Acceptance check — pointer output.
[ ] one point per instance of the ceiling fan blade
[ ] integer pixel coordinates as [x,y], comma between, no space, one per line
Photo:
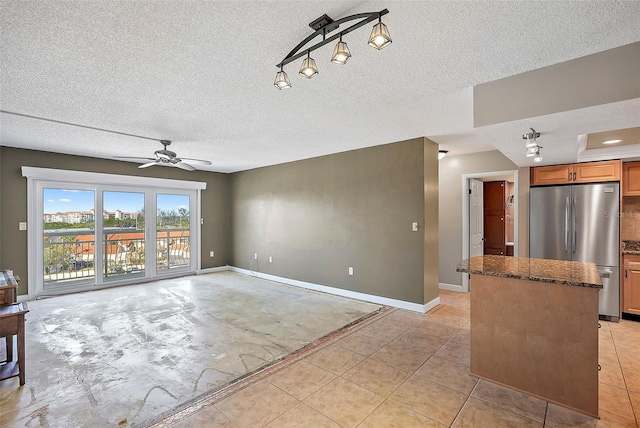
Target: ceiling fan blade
[183,165]
[147,165]
[141,159]
[200,161]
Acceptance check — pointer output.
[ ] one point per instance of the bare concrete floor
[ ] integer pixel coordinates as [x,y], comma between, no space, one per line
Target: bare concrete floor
[123,356]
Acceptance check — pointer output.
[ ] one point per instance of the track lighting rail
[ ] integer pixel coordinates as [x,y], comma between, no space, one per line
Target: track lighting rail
[325,25]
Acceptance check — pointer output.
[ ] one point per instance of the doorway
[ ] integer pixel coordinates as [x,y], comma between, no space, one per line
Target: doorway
[473,222]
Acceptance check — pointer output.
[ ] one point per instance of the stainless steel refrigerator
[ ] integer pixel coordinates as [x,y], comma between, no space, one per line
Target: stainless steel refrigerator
[580,223]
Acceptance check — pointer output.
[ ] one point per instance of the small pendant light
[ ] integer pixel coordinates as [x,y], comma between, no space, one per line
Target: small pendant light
[282,80]
[379,35]
[341,52]
[308,68]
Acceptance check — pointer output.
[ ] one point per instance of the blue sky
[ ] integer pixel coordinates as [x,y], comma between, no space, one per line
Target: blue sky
[64,200]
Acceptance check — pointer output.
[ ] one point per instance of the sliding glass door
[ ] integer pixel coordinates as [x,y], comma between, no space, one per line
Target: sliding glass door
[173,237]
[68,231]
[123,235]
[99,235]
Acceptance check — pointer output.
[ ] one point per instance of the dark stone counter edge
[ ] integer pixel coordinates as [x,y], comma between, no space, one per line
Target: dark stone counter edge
[532,278]
[631,252]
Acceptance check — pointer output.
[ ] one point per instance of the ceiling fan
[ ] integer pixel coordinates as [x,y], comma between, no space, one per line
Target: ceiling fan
[166,157]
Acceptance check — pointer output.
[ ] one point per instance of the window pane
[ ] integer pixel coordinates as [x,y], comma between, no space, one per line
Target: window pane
[173,224]
[123,234]
[68,235]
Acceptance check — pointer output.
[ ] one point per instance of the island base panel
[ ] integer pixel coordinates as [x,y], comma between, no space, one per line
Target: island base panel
[539,338]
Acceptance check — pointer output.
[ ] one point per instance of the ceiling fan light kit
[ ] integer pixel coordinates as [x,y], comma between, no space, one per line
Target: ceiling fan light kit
[167,157]
[323,26]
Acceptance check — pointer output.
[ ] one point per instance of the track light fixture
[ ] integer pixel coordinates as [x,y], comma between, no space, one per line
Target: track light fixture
[282,80]
[341,53]
[308,68]
[532,147]
[323,26]
[379,36]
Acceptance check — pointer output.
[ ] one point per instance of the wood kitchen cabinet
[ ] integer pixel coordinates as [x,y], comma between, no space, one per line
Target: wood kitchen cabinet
[631,179]
[631,286]
[588,172]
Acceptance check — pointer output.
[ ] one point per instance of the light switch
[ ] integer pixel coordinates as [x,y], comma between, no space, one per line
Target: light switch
[414,226]
[22,225]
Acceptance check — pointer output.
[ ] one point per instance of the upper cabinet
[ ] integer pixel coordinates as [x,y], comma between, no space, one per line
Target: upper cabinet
[631,179]
[588,172]
[555,174]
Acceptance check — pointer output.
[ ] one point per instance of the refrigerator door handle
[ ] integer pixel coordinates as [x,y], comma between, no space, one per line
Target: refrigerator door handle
[566,225]
[573,225]
[605,273]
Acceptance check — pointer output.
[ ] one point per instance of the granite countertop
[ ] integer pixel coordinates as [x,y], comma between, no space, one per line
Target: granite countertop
[543,270]
[631,247]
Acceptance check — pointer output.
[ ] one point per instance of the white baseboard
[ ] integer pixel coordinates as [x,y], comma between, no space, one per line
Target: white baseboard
[213,269]
[451,287]
[401,304]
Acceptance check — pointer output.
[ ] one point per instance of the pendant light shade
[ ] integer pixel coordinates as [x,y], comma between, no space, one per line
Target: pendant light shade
[282,80]
[341,53]
[442,154]
[379,36]
[533,151]
[309,68]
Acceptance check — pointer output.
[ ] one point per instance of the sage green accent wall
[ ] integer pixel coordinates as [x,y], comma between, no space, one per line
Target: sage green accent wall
[318,217]
[452,168]
[13,187]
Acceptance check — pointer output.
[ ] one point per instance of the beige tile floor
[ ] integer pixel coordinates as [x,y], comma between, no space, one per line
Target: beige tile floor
[403,369]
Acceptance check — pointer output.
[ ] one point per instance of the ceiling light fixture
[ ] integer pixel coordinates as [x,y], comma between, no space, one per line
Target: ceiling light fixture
[323,26]
[612,142]
[379,36]
[532,147]
[282,80]
[341,53]
[308,68]
[442,154]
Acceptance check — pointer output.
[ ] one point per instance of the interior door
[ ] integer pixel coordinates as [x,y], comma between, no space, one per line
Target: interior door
[494,217]
[476,218]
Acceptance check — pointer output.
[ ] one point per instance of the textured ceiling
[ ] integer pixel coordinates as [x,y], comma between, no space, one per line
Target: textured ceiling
[200,73]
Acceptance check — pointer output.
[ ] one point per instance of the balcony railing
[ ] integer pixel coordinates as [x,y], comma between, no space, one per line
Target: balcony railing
[69,255]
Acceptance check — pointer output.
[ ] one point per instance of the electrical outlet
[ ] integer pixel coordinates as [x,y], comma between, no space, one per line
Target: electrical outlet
[350,270]
[22,225]
[270,259]
[211,253]
[255,256]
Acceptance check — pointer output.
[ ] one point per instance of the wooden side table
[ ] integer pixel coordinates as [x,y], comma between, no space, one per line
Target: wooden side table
[8,295]
[12,323]
[8,287]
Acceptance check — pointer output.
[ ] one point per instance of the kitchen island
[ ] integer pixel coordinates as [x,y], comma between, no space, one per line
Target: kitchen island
[534,327]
